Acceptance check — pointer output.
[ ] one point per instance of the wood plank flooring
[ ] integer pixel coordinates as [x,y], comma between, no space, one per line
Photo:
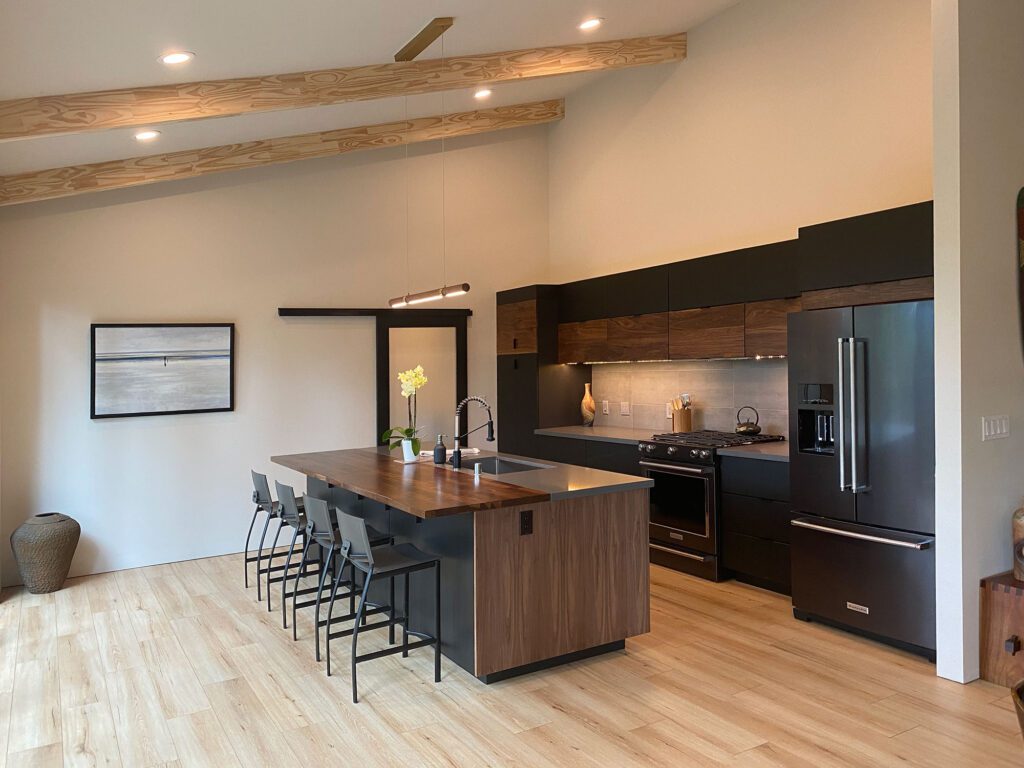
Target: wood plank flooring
[177,665]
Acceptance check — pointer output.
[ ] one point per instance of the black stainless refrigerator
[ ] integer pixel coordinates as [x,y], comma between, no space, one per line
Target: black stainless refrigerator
[862,470]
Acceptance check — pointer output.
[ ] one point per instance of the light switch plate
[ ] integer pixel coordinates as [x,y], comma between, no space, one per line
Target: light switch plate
[668,410]
[995,427]
[604,407]
[623,409]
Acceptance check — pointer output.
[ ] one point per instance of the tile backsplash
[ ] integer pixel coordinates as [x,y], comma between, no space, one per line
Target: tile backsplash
[717,388]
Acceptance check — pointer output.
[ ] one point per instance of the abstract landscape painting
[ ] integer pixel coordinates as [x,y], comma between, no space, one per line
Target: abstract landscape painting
[146,370]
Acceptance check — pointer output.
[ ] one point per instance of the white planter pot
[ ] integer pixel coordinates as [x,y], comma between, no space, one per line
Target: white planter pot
[407,452]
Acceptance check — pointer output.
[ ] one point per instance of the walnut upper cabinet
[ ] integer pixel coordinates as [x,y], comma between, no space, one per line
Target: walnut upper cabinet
[517,328]
[583,342]
[638,337]
[708,332]
[766,326]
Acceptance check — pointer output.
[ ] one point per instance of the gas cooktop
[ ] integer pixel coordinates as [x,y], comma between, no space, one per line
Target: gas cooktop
[709,438]
[700,447]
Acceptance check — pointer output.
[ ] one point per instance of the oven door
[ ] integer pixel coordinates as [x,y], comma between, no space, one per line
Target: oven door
[683,505]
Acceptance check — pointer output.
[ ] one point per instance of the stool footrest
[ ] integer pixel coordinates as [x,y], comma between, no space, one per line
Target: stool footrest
[271,556]
[377,609]
[395,649]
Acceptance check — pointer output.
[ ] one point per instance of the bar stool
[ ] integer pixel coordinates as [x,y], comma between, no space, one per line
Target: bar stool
[261,498]
[292,513]
[321,531]
[388,561]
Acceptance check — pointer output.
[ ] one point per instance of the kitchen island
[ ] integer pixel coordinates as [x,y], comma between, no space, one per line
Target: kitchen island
[541,563]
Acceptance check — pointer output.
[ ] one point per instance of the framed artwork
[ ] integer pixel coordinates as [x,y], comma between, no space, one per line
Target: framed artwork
[162,369]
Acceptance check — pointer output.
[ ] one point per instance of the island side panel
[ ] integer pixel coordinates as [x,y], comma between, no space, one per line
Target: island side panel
[451,539]
[578,581]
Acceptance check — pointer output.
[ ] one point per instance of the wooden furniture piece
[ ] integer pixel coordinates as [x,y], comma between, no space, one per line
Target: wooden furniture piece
[765,327]
[709,332]
[915,289]
[1002,629]
[583,342]
[529,577]
[638,337]
[517,327]
[1016,693]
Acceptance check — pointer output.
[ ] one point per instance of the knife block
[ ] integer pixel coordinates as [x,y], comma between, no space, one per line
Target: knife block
[682,420]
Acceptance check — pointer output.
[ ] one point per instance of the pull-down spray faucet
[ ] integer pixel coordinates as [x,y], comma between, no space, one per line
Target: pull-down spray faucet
[457,452]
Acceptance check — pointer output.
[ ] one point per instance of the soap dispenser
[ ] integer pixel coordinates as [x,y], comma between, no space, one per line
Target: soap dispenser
[440,451]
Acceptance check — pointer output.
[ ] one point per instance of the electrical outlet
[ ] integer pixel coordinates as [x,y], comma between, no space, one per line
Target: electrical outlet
[604,407]
[623,409]
[994,427]
[668,410]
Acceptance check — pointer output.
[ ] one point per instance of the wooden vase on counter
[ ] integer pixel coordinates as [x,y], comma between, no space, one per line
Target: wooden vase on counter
[1018,544]
[682,420]
[588,407]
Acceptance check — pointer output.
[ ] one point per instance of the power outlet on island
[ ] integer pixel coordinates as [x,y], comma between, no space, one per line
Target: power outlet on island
[623,409]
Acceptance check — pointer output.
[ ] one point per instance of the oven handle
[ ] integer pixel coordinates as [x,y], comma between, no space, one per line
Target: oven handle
[677,552]
[677,468]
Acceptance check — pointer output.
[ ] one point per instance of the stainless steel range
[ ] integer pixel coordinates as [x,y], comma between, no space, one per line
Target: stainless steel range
[684,499]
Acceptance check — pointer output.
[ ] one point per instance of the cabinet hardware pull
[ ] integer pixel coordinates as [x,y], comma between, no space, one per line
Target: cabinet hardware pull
[923,544]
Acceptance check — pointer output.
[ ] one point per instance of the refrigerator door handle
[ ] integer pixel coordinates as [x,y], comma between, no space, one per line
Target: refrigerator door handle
[840,412]
[922,543]
[855,485]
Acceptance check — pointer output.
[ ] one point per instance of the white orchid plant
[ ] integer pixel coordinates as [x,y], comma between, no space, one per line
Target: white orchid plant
[411,381]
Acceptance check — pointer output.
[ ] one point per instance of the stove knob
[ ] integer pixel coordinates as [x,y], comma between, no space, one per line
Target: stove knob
[649,447]
[705,454]
[671,450]
[640,447]
[694,453]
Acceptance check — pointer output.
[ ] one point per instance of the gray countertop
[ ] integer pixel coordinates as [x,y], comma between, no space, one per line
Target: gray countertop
[600,434]
[766,451]
[563,481]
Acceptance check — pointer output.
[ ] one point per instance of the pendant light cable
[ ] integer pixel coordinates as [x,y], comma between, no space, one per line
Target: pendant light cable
[444,129]
[406,174]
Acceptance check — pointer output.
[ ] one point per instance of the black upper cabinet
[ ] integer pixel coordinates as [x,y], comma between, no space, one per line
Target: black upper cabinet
[896,244]
[638,292]
[750,274]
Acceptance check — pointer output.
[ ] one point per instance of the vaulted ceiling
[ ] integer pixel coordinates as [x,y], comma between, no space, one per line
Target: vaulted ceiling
[54,47]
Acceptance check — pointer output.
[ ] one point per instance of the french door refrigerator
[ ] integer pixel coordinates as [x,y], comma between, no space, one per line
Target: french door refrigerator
[862,470]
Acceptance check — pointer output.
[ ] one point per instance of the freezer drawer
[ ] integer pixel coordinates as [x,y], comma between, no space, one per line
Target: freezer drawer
[874,581]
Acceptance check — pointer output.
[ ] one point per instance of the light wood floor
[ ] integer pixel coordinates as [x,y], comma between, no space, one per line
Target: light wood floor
[177,665]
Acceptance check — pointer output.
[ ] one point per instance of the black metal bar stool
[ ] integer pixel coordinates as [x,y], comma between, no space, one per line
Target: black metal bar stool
[358,551]
[321,531]
[292,513]
[264,503]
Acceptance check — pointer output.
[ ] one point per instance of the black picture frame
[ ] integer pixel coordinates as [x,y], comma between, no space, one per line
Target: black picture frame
[92,370]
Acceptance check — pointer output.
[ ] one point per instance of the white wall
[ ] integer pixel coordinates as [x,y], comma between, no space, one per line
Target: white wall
[785,113]
[234,248]
[979,168]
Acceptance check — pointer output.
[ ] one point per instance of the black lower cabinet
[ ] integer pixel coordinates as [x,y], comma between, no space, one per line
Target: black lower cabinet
[755,519]
[613,457]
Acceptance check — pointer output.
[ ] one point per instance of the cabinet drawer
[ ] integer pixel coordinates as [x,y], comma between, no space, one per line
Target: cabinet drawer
[638,337]
[765,331]
[756,517]
[764,560]
[759,478]
[582,342]
[613,457]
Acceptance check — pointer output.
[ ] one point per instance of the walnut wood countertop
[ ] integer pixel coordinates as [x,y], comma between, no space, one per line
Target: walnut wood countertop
[421,489]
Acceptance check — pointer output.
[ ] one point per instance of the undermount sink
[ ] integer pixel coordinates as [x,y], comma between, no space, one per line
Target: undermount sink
[495,465]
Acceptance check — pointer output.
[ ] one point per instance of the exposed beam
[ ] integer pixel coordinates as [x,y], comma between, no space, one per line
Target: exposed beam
[424,38]
[100,110]
[116,174]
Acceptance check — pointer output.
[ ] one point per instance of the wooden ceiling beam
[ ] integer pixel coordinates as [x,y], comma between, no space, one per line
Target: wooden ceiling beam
[118,174]
[424,38]
[128,107]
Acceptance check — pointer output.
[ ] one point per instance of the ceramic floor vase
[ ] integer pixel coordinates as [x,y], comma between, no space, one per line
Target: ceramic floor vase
[43,547]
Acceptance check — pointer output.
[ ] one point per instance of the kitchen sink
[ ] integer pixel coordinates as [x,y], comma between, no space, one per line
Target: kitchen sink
[495,465]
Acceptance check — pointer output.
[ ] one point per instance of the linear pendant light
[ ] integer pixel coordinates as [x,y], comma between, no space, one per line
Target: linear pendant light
[445,291]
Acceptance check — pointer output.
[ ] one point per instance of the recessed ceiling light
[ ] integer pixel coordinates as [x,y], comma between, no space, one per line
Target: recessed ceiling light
[482,93]
[177,57]
[146,135]
[590,24]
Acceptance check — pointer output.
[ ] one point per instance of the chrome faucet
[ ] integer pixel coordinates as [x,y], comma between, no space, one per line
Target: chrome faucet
[457,452]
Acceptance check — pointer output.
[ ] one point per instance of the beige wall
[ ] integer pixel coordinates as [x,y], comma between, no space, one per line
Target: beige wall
[234,248]
[785,113]
[979,168]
